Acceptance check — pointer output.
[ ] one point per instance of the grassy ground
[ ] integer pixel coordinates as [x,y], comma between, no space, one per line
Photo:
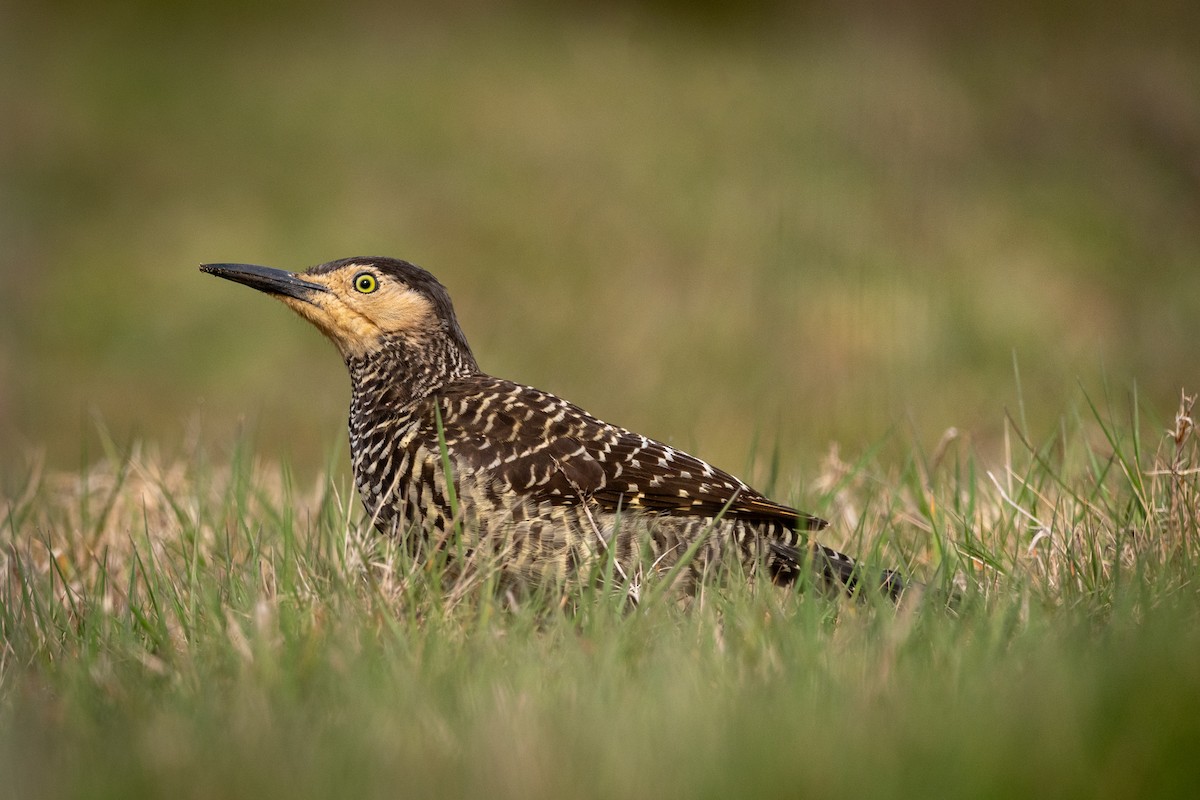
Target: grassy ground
[207,628]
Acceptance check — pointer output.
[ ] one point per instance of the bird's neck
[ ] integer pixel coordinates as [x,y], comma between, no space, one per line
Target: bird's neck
[395,375]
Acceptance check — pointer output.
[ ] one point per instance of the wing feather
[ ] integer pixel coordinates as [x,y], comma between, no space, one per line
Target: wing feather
[534,443]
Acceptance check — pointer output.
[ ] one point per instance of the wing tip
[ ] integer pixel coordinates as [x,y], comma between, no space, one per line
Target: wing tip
[813,523]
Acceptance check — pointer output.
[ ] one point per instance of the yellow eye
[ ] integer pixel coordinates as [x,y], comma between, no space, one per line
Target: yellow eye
[365,282]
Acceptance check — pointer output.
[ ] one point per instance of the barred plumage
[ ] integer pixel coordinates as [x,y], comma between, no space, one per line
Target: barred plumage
[536,483]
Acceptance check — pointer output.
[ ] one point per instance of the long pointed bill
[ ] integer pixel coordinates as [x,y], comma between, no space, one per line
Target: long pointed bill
[266,279]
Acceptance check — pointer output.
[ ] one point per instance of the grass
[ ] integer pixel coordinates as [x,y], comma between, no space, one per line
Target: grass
[203,627]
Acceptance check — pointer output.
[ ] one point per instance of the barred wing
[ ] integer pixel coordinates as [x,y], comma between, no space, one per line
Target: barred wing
[533,443]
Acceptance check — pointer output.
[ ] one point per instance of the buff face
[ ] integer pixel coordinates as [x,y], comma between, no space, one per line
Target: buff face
[357,306]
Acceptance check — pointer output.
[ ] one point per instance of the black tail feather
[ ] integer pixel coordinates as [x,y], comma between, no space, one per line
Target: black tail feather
[838,570]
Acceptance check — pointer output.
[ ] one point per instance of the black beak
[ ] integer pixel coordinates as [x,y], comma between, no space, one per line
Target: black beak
[266,279]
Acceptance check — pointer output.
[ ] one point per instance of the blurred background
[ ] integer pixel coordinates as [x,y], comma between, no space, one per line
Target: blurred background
[785,223]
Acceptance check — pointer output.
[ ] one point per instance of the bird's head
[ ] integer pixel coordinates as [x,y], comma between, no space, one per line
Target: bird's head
[364,305]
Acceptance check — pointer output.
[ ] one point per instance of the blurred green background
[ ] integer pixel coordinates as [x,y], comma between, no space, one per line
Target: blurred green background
[802,223]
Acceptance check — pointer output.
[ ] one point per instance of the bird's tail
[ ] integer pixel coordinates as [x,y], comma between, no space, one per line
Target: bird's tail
[835,569]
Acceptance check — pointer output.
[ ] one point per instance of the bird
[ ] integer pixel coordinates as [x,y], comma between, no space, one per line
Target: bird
[452,460]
